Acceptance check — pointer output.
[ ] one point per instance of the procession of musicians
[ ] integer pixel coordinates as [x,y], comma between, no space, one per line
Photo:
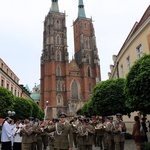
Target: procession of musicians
[64,133]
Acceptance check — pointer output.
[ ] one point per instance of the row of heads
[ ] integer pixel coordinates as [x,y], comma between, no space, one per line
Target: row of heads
[118,115]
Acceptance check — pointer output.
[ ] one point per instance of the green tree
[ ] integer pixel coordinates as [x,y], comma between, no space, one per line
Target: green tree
[23,108]
[6,102]
[88,109]
[109,98]
[137,86]
[36,110]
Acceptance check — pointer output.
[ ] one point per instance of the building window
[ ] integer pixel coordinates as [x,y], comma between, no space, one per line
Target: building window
[8,86]
[58,71]
[18,94]
[2,82]
[90,87]
[88,59]
[74,90]
[58,56]
[89,72]
[57,24]
[139,51]
[85,26]
[58,40]
[15,92]
[7,71]
[128,63]
[2,65]
[59,99]
[11,89]
[122,71]
[58,85]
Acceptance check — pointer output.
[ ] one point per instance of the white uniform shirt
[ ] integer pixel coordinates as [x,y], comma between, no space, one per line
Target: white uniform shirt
[16,134]
[6,132]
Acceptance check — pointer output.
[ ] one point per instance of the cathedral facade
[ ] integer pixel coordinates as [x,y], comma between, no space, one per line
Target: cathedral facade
[67,84]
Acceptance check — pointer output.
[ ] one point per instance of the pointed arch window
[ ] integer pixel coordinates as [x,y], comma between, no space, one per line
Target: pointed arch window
[58,71]
[57,40]
[58,55]
[85,26]
[74,90]
[90,87]
[57,24]
[88,59]
[58,86]
[59,99]
[89,72]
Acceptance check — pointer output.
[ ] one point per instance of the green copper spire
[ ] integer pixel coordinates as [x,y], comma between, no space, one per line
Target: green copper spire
[81,11]
[54,6]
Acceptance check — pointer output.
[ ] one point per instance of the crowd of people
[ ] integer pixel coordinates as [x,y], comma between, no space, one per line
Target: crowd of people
[64,133]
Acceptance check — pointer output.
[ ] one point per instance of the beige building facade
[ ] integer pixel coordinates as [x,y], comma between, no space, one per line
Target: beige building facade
[10,81]
[136,44]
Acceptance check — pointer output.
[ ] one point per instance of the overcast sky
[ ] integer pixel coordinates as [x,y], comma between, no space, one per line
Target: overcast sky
[21,31]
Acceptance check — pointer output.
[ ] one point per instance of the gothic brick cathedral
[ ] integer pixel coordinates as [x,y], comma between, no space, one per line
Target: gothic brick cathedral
[66,84]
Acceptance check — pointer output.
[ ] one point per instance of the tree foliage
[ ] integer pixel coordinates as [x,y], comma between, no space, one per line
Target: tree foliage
[108,97]
[137,86]
[23,108]
[88,109]
[6,102]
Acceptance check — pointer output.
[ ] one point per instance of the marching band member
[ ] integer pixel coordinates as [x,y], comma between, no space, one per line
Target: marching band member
[89,131]
[109,131]
[26,135]
[64,136]
[119,130]
[74,123]
[51,136]
[100,129]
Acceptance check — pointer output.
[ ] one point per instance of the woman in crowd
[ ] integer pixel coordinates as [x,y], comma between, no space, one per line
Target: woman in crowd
[136,132]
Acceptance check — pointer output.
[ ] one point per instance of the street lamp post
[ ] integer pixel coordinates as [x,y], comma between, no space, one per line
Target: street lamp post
[11,113]
[45,115]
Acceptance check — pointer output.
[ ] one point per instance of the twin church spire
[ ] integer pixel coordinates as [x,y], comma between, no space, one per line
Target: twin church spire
[81,11]
[54,6]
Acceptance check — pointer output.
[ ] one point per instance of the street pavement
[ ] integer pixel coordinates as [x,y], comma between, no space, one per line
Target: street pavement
[129,144]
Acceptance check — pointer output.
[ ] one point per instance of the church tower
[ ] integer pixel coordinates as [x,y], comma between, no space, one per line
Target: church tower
[86,53]
[54,60]
[67,85]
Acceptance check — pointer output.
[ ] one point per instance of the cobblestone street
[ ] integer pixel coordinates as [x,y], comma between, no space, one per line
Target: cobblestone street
[129,145]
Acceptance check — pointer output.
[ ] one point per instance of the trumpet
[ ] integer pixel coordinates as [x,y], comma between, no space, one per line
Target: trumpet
[73,124]
[100,126]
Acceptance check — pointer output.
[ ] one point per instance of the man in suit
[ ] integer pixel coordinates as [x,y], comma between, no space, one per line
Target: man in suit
[119,130]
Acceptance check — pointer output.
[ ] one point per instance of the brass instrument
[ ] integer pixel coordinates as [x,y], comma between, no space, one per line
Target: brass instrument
[100,126]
